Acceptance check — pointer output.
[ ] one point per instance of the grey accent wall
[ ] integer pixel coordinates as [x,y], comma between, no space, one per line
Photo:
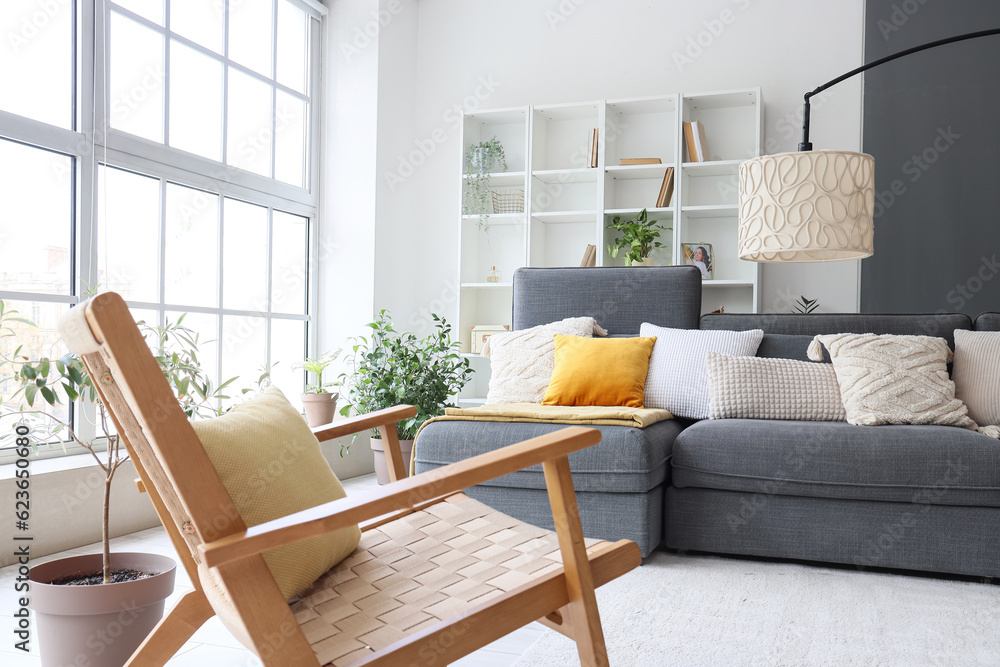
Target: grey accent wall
[931,122]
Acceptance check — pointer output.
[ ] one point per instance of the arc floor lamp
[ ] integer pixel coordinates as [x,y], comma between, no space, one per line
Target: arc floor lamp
[814,206]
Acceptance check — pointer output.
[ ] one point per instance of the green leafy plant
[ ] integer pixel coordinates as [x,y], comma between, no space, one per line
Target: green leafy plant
[481,160]
[316,367]
[389,368]
[638,237]
[51,382]
[805,306]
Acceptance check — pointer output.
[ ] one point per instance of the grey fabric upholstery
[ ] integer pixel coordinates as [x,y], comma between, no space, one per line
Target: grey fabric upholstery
[935,538]
[942,325]
[619,298]
[627,460]
[787,346]
[606,516]
[988,322]
[940,465]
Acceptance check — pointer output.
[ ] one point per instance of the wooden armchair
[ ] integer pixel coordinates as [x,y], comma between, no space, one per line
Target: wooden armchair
[436,575]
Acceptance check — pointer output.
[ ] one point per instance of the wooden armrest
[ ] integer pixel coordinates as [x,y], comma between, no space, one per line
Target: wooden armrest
[403,494]
[364,422]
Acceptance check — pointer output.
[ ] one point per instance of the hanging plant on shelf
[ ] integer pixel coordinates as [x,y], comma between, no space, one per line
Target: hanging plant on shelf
[638,237]
[481,160]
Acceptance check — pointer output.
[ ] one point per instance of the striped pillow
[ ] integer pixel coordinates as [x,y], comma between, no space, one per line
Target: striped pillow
[677,378]
[976,372]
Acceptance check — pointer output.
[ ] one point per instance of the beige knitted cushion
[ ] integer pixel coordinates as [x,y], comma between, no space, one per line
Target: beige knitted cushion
[759,388]
[521,362]
[271,465]
[895,380]
[976,373]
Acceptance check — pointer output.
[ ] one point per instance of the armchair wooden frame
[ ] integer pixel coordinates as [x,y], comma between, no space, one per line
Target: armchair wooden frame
[222,556]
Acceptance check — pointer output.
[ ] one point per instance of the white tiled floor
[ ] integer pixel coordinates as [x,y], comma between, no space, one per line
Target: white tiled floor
[213,644]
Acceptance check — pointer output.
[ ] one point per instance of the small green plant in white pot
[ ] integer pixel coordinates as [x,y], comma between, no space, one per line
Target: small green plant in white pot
[637,240]
[319,402]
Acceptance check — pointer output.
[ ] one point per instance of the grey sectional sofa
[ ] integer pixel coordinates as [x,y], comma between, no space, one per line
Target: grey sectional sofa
[909,497]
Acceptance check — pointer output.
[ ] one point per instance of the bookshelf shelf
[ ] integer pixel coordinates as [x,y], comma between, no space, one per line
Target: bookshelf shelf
[569,203]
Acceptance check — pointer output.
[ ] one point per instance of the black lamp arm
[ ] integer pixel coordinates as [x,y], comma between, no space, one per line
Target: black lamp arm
[807,146]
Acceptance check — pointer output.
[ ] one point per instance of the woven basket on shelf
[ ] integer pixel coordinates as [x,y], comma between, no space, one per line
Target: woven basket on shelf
[510,200]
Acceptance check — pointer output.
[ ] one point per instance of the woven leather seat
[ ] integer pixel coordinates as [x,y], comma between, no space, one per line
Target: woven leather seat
[414,572]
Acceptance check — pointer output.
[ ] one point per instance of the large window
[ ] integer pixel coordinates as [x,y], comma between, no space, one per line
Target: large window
[160,149]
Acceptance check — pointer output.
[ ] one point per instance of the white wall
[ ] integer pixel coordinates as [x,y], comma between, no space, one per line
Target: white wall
[441,55]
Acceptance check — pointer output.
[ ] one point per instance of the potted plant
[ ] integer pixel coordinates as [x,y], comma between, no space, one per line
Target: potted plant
[97,604]
[638,238]
[805,306]
[481,160]
[391,368]
[320,405]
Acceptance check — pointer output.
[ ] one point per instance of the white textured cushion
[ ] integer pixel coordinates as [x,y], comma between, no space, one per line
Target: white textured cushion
[888,379]
[677,380]
[976,373]
[521,362]
[757,388]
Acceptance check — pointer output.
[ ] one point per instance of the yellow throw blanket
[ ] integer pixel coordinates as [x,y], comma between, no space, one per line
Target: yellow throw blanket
[593,415]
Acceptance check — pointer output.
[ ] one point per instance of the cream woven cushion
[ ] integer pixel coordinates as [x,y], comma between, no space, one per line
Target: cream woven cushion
[895,380]
[271,465]
[521,362]
[677,379]
[976,373]
[758,388]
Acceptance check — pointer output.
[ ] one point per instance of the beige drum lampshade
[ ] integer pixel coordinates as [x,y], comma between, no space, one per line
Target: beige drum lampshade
[809,206]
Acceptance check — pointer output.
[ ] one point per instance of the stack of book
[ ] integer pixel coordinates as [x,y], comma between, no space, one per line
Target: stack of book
[638,160]
[694,137]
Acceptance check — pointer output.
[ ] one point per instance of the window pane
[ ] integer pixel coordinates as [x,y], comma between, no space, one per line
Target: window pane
[288,346]
[200,21]
[36,59]
[128,234]
[290,139]
[249,124]
[207,328]
[136,87]
[289,255]
[195,102]
[42,340]
[244,263]
[36,188]
[293,41]
[250,34]
[147,9]
[192,247]
[243,352]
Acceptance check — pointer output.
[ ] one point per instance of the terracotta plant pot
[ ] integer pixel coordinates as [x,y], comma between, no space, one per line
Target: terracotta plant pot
[100,625]
[381,466]
[320,408]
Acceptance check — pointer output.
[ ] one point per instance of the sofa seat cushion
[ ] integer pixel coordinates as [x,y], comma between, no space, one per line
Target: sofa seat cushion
[941,465]
[627,460]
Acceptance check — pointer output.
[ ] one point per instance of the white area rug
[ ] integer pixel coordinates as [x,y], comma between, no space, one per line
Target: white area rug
[701,610]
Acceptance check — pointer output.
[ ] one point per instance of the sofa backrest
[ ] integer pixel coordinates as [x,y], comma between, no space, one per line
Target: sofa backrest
[619,298]
[988,322]
[788,335]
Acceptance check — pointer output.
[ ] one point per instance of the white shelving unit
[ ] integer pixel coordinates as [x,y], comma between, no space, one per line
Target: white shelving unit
[568,204]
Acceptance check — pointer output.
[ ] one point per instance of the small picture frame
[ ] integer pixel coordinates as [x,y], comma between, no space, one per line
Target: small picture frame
[701,256]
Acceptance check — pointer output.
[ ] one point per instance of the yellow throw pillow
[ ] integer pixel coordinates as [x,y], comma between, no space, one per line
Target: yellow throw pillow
[599,371]
[271,465]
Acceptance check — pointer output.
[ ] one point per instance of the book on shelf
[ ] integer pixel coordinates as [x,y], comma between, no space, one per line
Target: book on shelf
[592,148]
[638,160]
[666,189]
[697,144]
[589,256]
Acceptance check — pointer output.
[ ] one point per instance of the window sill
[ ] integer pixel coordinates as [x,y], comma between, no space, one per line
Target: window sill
[46,466]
